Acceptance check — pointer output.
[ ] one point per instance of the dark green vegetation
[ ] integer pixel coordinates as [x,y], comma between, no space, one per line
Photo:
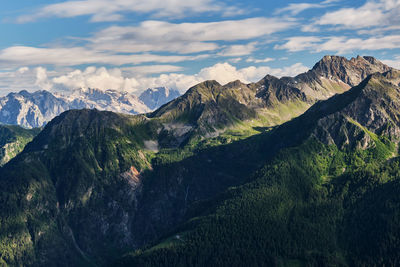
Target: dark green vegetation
[13,140]
[206,181]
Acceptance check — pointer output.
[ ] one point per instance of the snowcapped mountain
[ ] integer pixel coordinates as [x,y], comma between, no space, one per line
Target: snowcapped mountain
[30,109]
[156,97]
[110,100]
[36,109]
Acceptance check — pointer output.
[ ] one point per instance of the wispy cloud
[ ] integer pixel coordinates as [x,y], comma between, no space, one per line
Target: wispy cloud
[238,50]
[340,44]
[255,60]
[373,13]
[151,69]
[119,45]
[73,56]
[115,10]
[184,38]
[300,43]
[297,8]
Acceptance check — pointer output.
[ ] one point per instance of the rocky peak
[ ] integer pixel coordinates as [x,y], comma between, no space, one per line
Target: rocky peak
[351,71]
[234,84]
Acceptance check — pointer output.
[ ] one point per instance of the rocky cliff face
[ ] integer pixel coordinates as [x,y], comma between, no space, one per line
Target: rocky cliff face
[335,74]
[351,71]
[375,106]
[156,97]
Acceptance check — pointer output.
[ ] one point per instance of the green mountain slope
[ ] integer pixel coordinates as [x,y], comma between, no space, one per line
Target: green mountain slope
[329,197]
[69,195]
[13,140]
[85,190]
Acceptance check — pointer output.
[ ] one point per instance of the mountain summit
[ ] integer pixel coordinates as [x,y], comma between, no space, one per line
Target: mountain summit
[352,71]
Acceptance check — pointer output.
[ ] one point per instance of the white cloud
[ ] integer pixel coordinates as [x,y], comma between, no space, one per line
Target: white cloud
[22,70]
[297,8]
[114,10]
[255,60]
[23,79]
[235,60]
[340,44]
[300,43]
[42,79]
[132,45]
[238,50]
[93,77]
[132,81]
[151,69]
[372,13]
[221,72]
[24,55]
[394,62]
[184,38]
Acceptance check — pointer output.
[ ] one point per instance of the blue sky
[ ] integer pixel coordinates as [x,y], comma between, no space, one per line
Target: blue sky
[134,44]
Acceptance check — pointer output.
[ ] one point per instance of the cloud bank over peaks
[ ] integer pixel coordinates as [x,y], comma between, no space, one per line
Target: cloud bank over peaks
[135,80]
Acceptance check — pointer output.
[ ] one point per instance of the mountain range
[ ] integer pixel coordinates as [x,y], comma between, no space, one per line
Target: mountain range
[300,171]
[35,109]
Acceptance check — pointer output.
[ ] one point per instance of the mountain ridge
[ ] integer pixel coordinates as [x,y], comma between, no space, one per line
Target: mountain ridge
[210,107]
[89,187]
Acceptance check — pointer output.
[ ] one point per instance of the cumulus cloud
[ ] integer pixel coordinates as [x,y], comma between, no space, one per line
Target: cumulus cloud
[114,10]
[93,77]
[135,82]
[42,79]
[221,72]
